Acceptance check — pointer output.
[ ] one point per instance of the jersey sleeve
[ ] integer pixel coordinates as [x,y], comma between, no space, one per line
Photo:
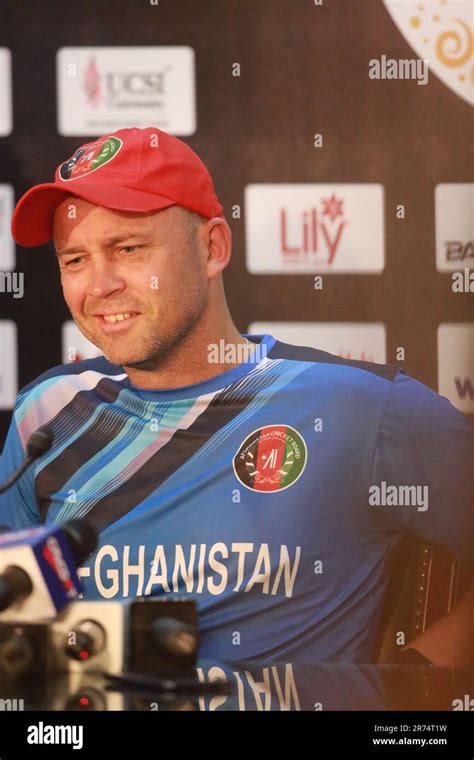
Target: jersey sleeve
[424,442]
[18,505]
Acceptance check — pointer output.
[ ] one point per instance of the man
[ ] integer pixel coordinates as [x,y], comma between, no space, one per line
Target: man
[252,479]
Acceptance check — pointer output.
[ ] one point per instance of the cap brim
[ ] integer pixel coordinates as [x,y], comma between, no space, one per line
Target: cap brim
[32,221]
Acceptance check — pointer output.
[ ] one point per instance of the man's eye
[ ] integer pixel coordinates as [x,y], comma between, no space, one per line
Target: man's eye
[129,248]
[77,260]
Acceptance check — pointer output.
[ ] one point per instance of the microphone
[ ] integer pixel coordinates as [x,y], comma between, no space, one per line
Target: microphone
[38,576]
[139,634]
[38,444]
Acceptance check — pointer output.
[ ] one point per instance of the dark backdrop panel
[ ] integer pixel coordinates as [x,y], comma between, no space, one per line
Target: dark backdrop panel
[303,70]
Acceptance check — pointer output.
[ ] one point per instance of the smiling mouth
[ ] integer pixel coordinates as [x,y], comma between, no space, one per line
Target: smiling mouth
[117,319]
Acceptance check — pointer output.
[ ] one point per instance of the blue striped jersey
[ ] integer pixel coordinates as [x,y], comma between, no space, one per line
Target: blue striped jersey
[272,494]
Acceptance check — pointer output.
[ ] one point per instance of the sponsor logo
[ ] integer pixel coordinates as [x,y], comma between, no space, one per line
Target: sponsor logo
[102,89]
[314,228]
[349,340]
[8,364]
[92,83]
[324,225]
[122,89]
[363,356]
[459,250]
[456,364]
[464,388]
[7,244]
[90,158]
[271,459]
[454,226]
[6,121]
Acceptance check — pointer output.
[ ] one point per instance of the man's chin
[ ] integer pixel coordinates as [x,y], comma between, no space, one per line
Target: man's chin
[130,359]
[122,359]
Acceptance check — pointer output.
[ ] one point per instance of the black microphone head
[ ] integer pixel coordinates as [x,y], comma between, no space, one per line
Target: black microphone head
[82,537]
[39,442]
[4,528]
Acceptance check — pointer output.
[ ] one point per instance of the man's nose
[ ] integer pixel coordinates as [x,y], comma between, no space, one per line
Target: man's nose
[104,279]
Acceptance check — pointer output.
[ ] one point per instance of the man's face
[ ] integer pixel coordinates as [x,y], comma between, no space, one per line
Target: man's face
[135,284]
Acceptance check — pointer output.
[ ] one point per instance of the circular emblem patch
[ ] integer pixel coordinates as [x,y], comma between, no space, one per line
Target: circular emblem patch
[89,158]
[271,458]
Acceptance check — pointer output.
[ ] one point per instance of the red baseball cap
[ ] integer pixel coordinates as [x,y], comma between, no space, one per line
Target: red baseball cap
[128,170]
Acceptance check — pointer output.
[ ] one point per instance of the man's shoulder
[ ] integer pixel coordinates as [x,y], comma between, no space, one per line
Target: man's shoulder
[389,386]
[328,361]
[98,366]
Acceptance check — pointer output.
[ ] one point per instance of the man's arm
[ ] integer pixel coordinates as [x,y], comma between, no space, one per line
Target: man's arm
[423,441]
[450,640]
[18,505]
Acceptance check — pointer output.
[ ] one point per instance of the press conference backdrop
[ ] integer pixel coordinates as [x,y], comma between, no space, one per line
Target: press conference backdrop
[338,133]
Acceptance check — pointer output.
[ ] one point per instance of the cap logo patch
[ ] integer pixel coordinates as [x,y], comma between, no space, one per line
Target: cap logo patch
[90,158]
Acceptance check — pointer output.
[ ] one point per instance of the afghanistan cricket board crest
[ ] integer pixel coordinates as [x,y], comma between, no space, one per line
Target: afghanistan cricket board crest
[90,157]
[271,458]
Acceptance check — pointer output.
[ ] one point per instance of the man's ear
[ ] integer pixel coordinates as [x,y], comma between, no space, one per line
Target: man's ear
[219,245]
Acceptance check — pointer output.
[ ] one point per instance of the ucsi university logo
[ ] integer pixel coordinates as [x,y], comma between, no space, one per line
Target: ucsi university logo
[113,85]
[316,231]
[103,89]
[92,84]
